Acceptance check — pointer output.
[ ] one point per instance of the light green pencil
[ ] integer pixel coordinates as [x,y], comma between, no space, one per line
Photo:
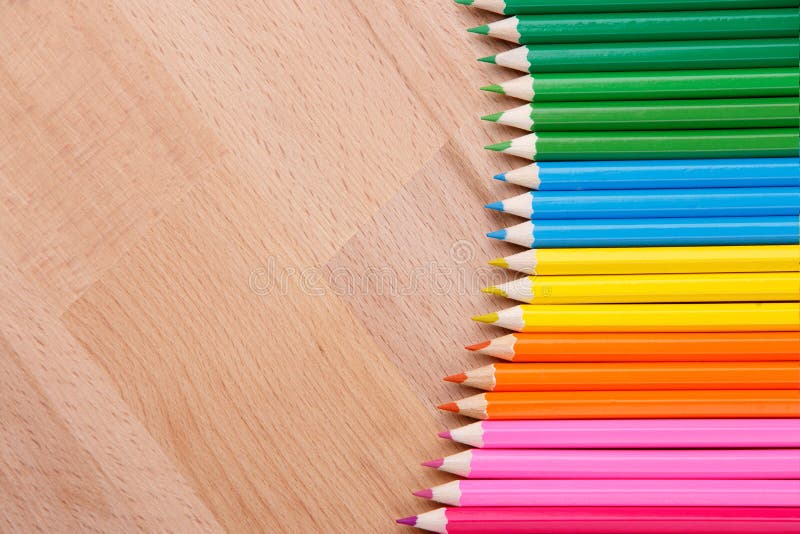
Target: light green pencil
[536,7]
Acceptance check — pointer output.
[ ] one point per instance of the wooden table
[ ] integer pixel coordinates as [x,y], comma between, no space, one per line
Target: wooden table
[202,203]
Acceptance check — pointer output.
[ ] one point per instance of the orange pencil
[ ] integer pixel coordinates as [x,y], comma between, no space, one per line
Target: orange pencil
[627,376]
[686,404]
[637,346]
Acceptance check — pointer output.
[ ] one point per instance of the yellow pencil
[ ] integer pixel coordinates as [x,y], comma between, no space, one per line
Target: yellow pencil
[566,261]
[716,317]
[632,288]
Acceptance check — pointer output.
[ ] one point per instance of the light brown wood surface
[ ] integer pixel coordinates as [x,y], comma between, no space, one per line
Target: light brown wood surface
[200,202]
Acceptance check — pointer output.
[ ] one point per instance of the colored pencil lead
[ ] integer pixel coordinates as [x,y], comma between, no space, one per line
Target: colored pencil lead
[482,30]
[411,521]
[494,290]
[499,147]
[501,177]
[445,435]
[436,464]
[459,378]
[478,346]
[496,206]
[498,234]
[464,2]
[489,318]
[488,59]
[425,494]
[494,88]
[492,117]
[499,262]
[449,407]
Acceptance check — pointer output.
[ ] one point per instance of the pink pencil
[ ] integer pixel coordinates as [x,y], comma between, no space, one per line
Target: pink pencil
[623,463]
[641,520]
[629,434]
[616,493]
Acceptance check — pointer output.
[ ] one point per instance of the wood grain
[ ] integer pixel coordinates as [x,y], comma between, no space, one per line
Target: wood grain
[192,196]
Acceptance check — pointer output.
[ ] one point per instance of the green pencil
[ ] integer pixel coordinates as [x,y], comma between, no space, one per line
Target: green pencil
[658,26]
[674,84]
[656,55]
[535,7]
[683,144]
[652,115]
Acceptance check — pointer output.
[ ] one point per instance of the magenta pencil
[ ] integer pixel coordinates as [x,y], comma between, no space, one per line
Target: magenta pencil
[591,520]
[629,434]
[623,463]
[580,492]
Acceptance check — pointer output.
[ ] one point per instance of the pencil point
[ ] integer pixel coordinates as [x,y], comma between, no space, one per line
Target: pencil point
[410,521]
[445,435]
[499,262]
[492,117]
[449,407]
[501,177]
[464,2]
[494,290]
[436,464]
[488,59]
[499,147]
[477,346]
[498,234]
[425,494]
[459,378]
[482,30]
[497,206]
[489,318]
[494,88]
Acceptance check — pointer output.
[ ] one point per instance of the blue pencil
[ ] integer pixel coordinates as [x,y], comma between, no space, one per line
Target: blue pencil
[656,174]
[653,203]
[570,233]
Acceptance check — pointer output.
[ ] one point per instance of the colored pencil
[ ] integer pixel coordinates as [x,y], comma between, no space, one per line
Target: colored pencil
[717,464]
[650,85]
[705,317]
[651,115]
[607,519]
[642,492]
[629,433]
[652,26]
[630,376]
[653,203]
[643,347]
[690,404]
[734,143]
[663,232]
[644,260]
[536,7]
[654,55]
[655,174]
[640,288]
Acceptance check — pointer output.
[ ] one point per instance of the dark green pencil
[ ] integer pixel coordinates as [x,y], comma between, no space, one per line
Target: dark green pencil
[536,7]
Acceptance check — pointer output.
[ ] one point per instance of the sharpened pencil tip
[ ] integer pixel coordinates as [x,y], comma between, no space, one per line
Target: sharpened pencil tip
[499,262]
[488,59]
[458,379]
[449,407]
[436,464]
[494,88]
[499,147]
[464,2]
[445,435]
[501,177]
[477,346]
[492,117]
[425,494]
[489,318]
[482,30]
[498,234]
[410,521]
[496,206]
